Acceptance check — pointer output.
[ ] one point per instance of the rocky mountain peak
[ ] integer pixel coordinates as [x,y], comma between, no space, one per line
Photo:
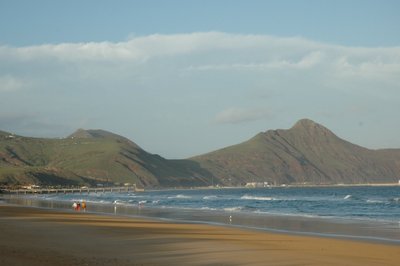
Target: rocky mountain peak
[80,134]
[310,127]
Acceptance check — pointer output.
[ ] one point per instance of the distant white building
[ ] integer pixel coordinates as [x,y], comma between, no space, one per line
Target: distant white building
[31,187]
[256,184]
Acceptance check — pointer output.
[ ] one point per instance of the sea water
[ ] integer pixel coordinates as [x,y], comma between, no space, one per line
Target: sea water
[371,212]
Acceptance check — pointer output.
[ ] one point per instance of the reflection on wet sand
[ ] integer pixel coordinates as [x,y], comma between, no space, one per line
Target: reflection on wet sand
[388,232]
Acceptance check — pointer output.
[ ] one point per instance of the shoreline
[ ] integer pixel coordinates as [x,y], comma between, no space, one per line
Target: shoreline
[326,227]
[5,190]
[37,236]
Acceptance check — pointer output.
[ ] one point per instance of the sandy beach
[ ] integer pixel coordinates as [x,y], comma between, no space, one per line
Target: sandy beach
[32,236]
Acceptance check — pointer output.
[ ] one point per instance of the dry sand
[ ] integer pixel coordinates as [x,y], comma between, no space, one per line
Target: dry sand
[30,236]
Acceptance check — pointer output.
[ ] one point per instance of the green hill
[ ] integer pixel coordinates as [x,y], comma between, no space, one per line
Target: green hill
[307,153]
[90,157]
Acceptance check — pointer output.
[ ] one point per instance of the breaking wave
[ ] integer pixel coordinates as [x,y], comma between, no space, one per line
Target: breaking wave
[247,197]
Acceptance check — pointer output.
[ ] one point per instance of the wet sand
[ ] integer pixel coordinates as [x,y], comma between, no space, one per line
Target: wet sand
[32,236]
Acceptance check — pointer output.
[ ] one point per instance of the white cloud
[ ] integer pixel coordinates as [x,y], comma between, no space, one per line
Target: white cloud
[9,83]
[137,48]
[155,57]
[136,79]
[308,61]
[216,51]
[368,69]
[240,115]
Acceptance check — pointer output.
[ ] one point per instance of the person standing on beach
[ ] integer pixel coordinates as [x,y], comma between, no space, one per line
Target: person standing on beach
[83,205]
[75,206]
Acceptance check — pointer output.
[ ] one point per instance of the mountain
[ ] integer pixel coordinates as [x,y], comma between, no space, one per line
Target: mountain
[99,134]
[91,157]
[307,153]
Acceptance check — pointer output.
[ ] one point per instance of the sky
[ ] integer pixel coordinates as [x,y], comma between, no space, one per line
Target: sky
[182,78]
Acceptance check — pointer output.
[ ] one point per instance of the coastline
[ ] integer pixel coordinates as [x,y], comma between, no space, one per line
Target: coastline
[37,236]
[6,191]
[328,227]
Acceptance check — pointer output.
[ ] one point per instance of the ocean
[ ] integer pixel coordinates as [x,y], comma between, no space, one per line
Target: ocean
[366,212]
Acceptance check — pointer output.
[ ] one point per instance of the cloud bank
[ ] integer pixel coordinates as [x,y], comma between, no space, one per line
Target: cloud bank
[204,51]
[160,82]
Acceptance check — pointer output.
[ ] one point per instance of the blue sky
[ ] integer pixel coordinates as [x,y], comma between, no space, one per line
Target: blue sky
[356,22]
[181,78]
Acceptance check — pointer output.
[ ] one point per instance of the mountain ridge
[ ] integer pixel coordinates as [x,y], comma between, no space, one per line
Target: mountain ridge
[88,158]
[306,153]
[99,134]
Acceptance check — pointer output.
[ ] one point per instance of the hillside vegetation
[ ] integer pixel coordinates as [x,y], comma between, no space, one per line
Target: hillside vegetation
[90,157]
[307,153]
